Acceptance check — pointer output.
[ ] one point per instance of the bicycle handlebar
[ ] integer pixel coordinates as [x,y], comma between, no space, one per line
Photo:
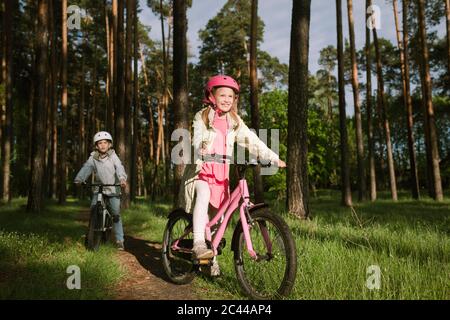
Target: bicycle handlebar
[221,158]
[99,185]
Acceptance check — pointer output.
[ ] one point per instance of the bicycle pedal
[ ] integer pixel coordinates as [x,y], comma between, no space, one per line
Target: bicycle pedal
[203,261]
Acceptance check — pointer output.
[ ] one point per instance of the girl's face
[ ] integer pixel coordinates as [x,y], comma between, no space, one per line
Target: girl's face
[224,98]
[103,146]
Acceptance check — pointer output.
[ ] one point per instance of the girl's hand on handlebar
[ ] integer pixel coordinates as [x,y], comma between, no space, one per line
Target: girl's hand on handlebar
[203,151]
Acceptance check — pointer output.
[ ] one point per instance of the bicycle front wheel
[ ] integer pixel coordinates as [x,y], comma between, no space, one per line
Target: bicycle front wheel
[177,260]
[94,237]
[272,274]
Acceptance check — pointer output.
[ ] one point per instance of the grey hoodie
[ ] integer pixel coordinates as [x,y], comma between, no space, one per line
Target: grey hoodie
[107,170]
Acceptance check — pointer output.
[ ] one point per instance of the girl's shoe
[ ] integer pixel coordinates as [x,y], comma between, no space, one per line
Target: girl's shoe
[201,251]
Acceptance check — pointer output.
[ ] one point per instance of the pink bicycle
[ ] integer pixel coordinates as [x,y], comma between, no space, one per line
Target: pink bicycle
[265,257]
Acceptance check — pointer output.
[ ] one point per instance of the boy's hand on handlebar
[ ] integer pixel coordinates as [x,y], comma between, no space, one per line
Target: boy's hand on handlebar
[281,163]
[123,183]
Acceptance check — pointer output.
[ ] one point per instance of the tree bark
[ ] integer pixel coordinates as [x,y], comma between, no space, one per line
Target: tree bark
[120,101]
[447,20]
[297,171]
[128,108]
[404,61]
[428,99]
[370,139]
[257,179]
[345,170]
[180,78]
[7,134]
[62,157]
[35,194]
[136,107]
[383,116]
[357,105]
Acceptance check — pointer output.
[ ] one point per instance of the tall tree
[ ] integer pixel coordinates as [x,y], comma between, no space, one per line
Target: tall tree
[128,100]
[357,106]
[297,171]
[428,103]
[62,155]
[7,134]
[120,99]
[257,180]
[345,170]
[370,139]
[35,190]
[404,61]
[134,165]
[381,106]
[180,88]
[447,20]
[53,104]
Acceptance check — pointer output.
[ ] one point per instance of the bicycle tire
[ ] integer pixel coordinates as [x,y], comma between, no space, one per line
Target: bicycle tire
[107,234]
[273,277]
[94,238]
[178,267]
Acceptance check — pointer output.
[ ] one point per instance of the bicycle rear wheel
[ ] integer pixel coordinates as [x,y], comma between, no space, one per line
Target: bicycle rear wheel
[94,237]
[272,275]
[177,262]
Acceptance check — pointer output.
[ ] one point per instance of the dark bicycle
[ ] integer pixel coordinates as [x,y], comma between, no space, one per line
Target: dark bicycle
[100,221]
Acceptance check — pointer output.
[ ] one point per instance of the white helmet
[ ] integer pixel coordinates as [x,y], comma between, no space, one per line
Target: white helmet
[102,135]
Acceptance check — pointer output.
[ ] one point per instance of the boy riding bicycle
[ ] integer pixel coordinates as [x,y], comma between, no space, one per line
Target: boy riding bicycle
[108,169]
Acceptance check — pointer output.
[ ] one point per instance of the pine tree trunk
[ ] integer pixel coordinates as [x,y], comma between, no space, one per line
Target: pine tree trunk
[404,61]
[428,99]
[357,105]
[257,179]
[54,111]
[345,170]
[35,195]
[7,134]
[297,170]
[62,158]
[382,107]
[128,100]
[180,89]
[134,182]
[370,139]
[447,20]
[120,101]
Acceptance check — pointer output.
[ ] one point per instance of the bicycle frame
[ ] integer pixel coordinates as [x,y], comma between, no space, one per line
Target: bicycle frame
[228,207]
[101,201]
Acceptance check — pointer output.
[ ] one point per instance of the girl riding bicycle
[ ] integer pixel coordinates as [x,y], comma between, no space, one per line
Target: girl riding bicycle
[108,169]
[216,128]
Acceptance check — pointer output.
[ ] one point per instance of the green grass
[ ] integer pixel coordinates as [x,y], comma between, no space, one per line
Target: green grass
[37,249]
[409,240]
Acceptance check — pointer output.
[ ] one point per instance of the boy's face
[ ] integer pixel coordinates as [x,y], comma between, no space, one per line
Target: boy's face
[103,146]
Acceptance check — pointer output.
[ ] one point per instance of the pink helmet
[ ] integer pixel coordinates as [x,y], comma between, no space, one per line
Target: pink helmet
[219,80]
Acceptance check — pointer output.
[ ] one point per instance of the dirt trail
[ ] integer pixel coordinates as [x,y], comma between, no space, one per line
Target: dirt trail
[144,274]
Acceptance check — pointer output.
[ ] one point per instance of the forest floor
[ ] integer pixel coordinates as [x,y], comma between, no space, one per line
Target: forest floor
[144,277]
